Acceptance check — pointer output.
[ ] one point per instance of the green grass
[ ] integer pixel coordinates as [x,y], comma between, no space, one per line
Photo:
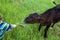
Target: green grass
[15,11]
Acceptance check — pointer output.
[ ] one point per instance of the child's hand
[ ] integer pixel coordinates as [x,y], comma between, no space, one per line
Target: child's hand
[14,25]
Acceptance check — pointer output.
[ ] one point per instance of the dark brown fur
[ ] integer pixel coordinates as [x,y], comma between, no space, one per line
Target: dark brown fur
[51,16]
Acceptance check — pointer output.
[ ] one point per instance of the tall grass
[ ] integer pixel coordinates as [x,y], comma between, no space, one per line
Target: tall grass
[15,11]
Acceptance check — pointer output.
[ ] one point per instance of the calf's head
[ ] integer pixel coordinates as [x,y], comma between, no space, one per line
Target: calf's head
[32,18]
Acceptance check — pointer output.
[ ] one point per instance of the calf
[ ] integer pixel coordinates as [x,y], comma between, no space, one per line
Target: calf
[51,16]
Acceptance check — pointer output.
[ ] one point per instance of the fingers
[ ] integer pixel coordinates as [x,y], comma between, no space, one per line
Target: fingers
[14,25]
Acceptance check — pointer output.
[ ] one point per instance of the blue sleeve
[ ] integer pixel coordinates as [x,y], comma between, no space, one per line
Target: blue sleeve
[2,25]
[8,27]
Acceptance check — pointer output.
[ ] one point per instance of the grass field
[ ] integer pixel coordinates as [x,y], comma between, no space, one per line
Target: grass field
[15,11]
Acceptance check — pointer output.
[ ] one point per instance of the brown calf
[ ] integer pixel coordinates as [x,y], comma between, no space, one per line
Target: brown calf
[51,16]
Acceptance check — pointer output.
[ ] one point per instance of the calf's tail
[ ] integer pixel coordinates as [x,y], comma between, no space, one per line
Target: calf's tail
[54,2]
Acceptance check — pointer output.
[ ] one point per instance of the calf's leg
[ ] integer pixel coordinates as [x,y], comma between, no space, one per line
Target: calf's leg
[39,27]
[45,31]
